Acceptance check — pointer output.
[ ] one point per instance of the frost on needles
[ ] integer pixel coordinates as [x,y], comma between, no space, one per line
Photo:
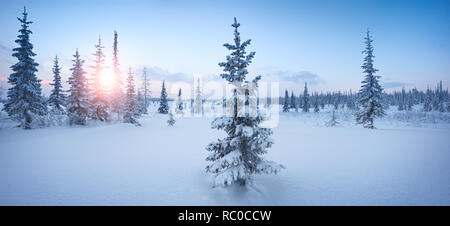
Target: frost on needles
[237,157]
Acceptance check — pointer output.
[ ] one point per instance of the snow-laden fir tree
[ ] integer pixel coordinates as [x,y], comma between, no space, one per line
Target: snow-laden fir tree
[163,102]
[409,102]
[116,89]
[146,89]
[140,103]
[237,157]
[171,120]
[78,100]
[130,111]
[370,94]
[427,102]
[401,101]
[448,104]
[306,99]
[25,103]
[286,101]
[293,104]
[99,108]
[57,98]
[179,104]
[316,103]
[198,101]
[332,121]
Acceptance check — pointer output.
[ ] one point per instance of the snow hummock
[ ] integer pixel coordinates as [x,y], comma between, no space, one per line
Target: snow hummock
[120,164]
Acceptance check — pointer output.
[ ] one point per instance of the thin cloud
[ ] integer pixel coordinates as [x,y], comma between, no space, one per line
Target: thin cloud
[294,77]
[157,73]
[390,85]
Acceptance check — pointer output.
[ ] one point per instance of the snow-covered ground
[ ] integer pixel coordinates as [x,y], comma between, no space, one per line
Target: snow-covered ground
[401,163]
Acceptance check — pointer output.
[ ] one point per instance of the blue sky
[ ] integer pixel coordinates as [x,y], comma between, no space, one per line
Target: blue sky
[295,41]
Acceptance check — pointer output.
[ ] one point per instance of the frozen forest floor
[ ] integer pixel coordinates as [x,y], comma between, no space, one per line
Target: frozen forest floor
[401,163]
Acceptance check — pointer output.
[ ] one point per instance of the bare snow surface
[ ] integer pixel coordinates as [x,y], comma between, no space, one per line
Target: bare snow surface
[120,164]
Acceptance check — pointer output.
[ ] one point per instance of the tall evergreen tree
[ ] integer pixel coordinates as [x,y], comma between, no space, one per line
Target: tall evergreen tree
[401,101]
[99,102]
[171,120]
[140,103]
[306,99]
[286,101]
[116,90]
[57,99]
[78,101]
[237,157]
[293,105]
[198,101]
[316,103]
[130,109]
[427,102]
[25,103]
[146,89]
[370,94]
[179,104]
[163,105]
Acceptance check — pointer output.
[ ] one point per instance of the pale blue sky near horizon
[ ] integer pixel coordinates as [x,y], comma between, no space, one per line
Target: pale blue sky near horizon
[295,41]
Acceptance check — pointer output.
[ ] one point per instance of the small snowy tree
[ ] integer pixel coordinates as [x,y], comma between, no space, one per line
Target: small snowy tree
[198,101]
[409,103]
[146,89]
[140,103]
[116,91]
[316,103]
[163,105]
[401,101]
[130,109]
[99,102]
[305,99]
[78,101]
[237,157]
[332,121]
[179,104]
[57,99]
[293,105]
[171,120]
[370,94]
[286,101]
[25,103]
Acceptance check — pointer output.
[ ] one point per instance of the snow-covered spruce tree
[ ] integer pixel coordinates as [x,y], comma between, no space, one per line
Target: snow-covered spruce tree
[409,102]
[370,94]
[401,101]
[140,103]
[332,121]
[448,104]
[99,108]
[305,99]
[237,157]
[57,99]
[179,104]
[130,111]
[163,105]
[198,101]
[25,103]
[78,101]
[293,105]
[116,91]
[171,120]
[316,103]
[146,89]
[286,101]
[427,101]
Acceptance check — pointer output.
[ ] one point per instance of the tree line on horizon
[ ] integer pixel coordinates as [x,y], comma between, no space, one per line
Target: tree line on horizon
[86,99]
